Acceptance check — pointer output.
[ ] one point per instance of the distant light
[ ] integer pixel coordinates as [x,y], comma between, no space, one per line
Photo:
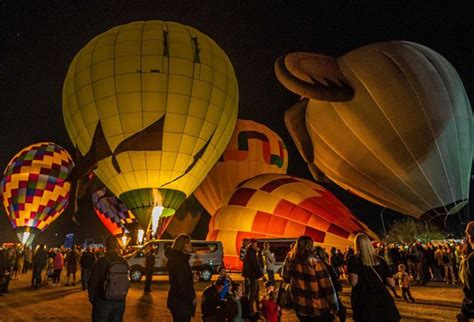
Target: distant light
[140,235]
[26,234]
[155,218]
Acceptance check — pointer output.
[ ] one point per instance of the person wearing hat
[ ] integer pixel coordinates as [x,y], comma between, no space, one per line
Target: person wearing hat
[252,272]
[466,274]
[211,304]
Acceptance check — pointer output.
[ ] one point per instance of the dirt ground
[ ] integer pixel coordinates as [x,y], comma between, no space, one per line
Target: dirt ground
[435,302]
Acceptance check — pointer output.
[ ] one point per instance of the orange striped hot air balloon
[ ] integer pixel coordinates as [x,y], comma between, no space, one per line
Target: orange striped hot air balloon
[253,149]
[277,206]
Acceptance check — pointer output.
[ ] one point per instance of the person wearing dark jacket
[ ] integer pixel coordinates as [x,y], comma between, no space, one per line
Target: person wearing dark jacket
[252,272]
[181,296]
[149,266]
[466,274]
[87,262]
[39,263]
[103,309]
[4,269]
[211,304]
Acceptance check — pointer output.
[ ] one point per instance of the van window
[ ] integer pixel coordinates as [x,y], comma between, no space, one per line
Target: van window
[204,248]
[280,249]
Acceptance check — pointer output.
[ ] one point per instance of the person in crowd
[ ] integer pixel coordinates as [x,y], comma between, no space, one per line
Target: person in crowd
[181,295]
[270,309]
[448,262]
[39,263]
[58,265]
[242,251]
[226,279]
[27,259]
[252,272]
[404,283]
[269,261]
[439,261]
[4,269]
[368,274]
[466,276]
[87,262]
[10,259]
[107,292]
[211,304]
[15,262]
[233,307]
[71,267]
[335,279]
[149,267]
[312,292]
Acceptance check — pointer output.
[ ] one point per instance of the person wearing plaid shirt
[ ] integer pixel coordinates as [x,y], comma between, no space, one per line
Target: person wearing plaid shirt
[312,292]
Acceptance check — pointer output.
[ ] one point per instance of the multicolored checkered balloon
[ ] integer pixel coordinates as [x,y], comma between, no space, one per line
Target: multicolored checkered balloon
[112,212]
[35,190]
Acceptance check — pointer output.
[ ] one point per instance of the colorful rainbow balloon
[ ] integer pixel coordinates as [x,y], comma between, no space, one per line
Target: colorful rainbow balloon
[35,190]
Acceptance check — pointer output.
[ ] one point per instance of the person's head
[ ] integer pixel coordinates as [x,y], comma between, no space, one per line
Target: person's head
[111,244]
[365,250]
[182,243]
[237,289]
[401,268]
[221,270]
[270,286]
[245,242]
[219,285]
[320,253]
[253,243]
[266,245]
[303,247]
[470,232]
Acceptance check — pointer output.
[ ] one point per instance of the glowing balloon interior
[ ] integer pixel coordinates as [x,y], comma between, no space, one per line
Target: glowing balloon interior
[282,206]
[154,105]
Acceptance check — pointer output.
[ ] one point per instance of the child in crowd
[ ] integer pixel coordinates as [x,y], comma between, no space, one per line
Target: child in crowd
[404,283]
[270,310]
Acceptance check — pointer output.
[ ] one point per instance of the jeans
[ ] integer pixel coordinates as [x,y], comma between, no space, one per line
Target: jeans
[57,275]
[148,279]
[271,276]
[85,274]
[323,318]
[407,294]
[107,311]
[180,318]
[253,294]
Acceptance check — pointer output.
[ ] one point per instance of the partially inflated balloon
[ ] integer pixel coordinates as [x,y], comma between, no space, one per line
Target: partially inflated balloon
[113,213]
[35,190]
[390,122]
[190,218]
[154,105]
[254,149]
[282,206]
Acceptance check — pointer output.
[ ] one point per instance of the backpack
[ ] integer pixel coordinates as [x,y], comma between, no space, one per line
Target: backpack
[117,281]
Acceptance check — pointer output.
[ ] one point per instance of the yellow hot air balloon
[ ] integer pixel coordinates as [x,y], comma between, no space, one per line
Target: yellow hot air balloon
[154,105]
[254,149]
[282,206]
[35,188]
[391,122]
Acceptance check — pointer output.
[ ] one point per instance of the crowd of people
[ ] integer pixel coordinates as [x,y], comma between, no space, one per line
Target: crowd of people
[311,278]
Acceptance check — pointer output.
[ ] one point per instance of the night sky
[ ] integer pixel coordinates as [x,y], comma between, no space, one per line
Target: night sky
[38,41]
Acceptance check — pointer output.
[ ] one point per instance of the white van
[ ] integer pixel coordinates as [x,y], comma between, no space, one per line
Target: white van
[206,257]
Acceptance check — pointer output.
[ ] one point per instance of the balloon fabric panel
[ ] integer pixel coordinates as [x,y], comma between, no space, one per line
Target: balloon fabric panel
[282,206]
[253,149]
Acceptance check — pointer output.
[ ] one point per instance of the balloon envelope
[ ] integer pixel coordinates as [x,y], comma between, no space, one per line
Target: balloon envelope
[35,190]
[154,105]
[282,206]
[112,212]
[253,149]
[404,140]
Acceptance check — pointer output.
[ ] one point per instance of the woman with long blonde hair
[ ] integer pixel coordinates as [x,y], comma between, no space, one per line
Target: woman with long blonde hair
[368,275]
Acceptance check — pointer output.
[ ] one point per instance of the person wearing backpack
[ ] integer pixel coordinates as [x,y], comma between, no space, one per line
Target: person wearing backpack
[108,284]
